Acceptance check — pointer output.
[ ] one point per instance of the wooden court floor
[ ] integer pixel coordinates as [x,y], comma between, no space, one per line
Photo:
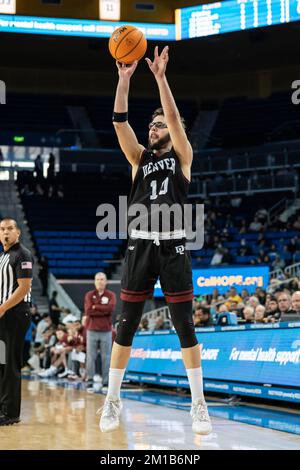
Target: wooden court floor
[55,418]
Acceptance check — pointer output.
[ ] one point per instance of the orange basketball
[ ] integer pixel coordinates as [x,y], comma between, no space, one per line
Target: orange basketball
[127,44]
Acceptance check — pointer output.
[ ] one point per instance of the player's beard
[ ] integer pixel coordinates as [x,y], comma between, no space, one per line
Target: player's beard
[160,143]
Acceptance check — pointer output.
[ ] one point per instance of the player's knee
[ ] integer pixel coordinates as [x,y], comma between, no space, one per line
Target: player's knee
[126,332]
[129,322]
[182,318]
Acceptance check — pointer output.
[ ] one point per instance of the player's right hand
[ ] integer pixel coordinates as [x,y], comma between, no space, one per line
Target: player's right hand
[126,71]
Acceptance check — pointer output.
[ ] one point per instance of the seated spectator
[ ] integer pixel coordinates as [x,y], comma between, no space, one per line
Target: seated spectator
[202,317]
[77,358]
[259,316]
[245,295]
[43,324]
[296,224]
[253,302]
[296,302]
[233,297]
[161,324]
[248,314]
[261,295]
[278,263]
[44,350]
[222,309]
[144,325]
[59,354]
[35,314]
[217,257]
[285,303]
[69,317]
[272,310]
[256,225]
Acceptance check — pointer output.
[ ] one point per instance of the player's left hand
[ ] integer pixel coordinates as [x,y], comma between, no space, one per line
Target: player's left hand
[159,64]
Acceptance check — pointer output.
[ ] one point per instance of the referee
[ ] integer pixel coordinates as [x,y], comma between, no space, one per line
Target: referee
[16,264]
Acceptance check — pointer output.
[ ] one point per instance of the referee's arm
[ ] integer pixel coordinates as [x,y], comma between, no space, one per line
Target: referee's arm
[24,285]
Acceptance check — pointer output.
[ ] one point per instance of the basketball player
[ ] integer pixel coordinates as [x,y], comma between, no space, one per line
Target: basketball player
[161,175]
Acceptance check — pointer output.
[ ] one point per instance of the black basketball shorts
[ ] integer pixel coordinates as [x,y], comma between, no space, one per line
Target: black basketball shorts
[145,262]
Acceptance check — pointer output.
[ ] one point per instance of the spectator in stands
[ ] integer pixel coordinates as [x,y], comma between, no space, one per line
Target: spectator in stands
[243,227]
[285,303]
[202,317]
[59,355]
[253,302]
[35,314]
[44,350]
[278,263]
[293,245]
[51,168]
[161,324]
[38,167]
[245,295]
[296,224]
[217,257]
[248,314]
[261,295]
[256,225]
[54,309]
[222,309]
[272,309]
[262,215]
[99,306]
[233,297]
[69,317]
[296,302]
[144,325]
[44,274]
[27,345]
[41,327]
[259,316]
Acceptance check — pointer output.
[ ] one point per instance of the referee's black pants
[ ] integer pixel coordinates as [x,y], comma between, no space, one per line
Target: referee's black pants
[13,327]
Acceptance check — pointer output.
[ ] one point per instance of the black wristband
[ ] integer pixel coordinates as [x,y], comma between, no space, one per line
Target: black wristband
[120,117]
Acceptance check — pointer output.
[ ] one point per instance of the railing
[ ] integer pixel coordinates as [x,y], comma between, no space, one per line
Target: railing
[293,270]
[275,274]
[278,208]
[244,185]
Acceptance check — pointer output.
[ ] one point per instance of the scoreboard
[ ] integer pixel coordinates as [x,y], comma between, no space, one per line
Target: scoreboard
[234,15]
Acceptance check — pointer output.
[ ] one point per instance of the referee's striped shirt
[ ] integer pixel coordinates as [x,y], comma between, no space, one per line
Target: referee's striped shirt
[15,263]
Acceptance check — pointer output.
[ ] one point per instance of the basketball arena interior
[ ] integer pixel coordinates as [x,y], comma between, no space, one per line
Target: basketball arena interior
[234,71]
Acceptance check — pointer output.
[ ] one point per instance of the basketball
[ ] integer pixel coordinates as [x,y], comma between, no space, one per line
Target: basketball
[127,44]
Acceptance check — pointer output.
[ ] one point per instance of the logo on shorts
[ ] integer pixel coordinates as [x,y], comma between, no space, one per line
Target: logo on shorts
[131,248]
[180,249]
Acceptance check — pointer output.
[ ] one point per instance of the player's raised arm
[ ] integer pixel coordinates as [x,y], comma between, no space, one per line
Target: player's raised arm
[176,129]
[126,136]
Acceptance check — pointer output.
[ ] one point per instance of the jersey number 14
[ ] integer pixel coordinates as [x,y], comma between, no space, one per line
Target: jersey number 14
[163,189]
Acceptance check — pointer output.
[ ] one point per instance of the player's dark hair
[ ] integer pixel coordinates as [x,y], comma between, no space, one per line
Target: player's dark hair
[10,218]
[160,112]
